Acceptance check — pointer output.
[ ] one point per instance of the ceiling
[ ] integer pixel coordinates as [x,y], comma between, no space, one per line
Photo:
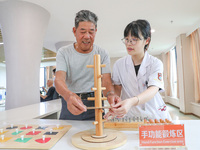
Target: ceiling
[169,18]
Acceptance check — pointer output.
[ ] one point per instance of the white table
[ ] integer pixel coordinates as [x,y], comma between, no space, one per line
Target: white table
[34,111]
[192,133]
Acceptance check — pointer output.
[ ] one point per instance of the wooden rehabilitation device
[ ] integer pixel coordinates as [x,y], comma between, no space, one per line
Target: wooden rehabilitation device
[98,138]
[132,123]
[98,93]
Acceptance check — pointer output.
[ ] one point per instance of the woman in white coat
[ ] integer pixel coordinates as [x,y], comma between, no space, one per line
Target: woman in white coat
[138,77]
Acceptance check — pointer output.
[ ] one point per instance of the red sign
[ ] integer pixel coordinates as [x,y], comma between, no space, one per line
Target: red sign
[162,135]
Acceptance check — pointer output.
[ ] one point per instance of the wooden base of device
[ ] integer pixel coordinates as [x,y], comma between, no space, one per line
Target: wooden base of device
[87,140]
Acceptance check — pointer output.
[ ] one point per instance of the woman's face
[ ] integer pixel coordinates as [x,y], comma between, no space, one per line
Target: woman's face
[135,46]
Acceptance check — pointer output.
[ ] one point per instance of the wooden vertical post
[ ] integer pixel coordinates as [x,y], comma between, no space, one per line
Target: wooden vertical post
[98,102]
[98,94]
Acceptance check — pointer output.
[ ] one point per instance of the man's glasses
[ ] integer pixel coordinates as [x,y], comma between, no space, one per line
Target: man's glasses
[132,41]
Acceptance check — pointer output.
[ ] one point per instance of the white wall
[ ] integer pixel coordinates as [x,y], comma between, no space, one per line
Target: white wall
[112,61]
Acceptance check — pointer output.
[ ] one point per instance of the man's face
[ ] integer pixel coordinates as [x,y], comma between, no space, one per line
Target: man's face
[49,83]
[85,35]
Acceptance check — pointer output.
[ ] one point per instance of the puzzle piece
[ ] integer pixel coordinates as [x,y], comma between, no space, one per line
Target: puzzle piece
[25,128]
[15,133]
[5,139]
[43,141]
[49,133]
[59,128]
[35,133]
[12,127]
[3,132]
[43,128]
[23,141]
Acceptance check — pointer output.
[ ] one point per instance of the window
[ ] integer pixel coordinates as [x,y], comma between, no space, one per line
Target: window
[42,77]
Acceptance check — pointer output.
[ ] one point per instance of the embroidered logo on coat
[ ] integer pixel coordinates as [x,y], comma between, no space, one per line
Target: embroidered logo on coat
[160,76]
[163,108]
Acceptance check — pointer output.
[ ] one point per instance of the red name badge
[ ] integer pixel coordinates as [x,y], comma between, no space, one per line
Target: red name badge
[162,135]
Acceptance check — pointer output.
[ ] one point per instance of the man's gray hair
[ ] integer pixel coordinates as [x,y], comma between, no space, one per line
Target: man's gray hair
[85,15]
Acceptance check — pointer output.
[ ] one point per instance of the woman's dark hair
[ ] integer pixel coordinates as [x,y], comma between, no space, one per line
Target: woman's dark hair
[135,28]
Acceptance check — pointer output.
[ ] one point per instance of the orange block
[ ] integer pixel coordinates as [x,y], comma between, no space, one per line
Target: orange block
[5,139]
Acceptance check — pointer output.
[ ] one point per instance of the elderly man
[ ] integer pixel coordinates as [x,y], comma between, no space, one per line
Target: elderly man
[73,79]
[49,93]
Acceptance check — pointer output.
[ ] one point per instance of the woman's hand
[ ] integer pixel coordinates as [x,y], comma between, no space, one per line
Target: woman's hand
[119,110]
[122,107]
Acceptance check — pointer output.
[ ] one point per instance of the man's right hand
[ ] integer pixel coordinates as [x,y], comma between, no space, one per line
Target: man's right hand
[75,104]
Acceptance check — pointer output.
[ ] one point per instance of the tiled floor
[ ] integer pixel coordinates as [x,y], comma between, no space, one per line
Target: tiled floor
[177,115]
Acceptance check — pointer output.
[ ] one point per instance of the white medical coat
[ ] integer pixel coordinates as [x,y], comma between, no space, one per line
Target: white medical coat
[150,74]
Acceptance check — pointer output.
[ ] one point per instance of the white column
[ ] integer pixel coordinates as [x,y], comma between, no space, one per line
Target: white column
[23,28]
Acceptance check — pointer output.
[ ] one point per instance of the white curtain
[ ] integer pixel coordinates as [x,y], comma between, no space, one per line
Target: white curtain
[173,74]
[195,42]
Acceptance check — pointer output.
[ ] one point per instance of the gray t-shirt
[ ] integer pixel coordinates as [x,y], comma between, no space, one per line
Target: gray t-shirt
[79,78]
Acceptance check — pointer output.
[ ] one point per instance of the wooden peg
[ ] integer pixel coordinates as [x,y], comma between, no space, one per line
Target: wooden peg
[90,98]
[98,107]
[90,66]
[95,122]
[103,65]
[2,137]
[51,131]
[100,76]
[93,89]
[167,121]
[162,121]
[43,137]
[103,88]
[22,137]
[104,120]
[104,98]
[151,121]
